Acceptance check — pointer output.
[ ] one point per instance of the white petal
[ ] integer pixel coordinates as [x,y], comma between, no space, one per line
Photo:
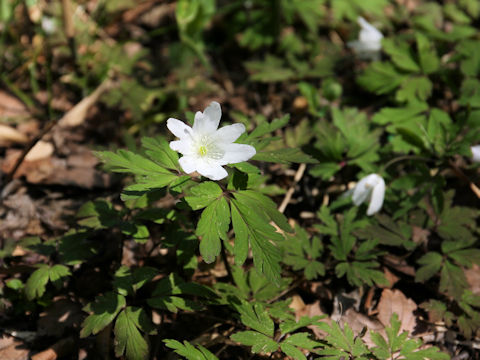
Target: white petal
[361,191]
[211,170]
[188,164]
[376,200]
[179,128]
[475,153]
[228,134]
[235,153]
[183,146]
[369,33]
[207,122]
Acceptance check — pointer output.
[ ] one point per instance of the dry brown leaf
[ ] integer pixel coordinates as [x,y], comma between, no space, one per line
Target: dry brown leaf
[41,150]
[76,116]
[9,135]
[358,322]
[394,301]
[11,107]
[473,278]
[297,304]
[58,171]
[59,349]
[13,349]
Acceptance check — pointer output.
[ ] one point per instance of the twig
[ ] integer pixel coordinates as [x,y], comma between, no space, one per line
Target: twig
[464,177]
[288,196]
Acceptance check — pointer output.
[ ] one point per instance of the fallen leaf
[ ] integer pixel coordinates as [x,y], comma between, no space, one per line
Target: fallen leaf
[57,350]
[358,322]
[9,135]
[473,278]
[15,351]
[11,107]
[394,301]
[41,150]
[76,116]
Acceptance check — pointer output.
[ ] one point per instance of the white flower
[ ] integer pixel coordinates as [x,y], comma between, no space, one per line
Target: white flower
[206,149]
[475,153]
[370,189]
[369,42]
[48,25]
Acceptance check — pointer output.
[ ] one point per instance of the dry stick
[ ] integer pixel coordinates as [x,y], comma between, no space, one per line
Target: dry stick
[464,177]
[73,117]
[291,190]
[32,143]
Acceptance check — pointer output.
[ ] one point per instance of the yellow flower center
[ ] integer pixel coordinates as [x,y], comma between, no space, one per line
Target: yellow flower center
[202,151]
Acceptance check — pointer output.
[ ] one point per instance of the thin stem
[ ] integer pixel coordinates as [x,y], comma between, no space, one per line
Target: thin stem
[405,157]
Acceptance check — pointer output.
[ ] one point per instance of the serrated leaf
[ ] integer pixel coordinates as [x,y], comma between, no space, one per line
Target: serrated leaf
[128,338]
[254,316]
[429,60]
[291,325]
[189,351]
[381,78]
[159,150]
[400,54]
[213,226]
[292,351]
[262,236]
[124,161]
[265,205]
[301,340]
[203,195]
[103,311]
[37,282]
[432,262]
[284,156]
[240,249]
[259,342]
[452,280]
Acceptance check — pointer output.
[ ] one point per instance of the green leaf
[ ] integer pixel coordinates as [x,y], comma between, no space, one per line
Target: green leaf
[401,55]
[284,156]
[127,282]
[189,351]
[381,78]
[292,351]
[259,342]
[170,291]
[37,282]
[103,311]
[432,262]
[452,280]
[159,149]
[429,60]
[213,226]
[128,338]
[270,69]
[124,161]
[264,204]
[262,237]
[301,340]
[240,249]
[470,93]
[203,195]
[414,89]
[256,317]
